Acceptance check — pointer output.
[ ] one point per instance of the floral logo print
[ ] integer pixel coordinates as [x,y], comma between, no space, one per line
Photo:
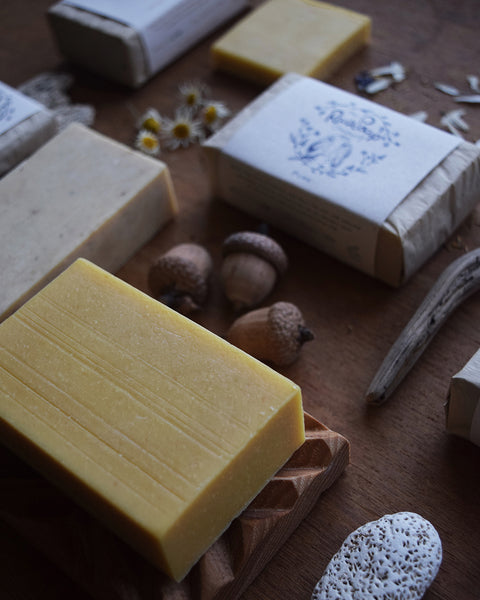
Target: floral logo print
[342,139]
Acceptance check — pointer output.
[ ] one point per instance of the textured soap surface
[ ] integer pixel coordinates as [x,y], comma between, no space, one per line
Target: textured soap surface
[281,36]
[81,194]
[397,556]
[157,426]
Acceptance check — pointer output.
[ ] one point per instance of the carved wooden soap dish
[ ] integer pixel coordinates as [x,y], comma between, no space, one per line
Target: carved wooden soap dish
[110,570]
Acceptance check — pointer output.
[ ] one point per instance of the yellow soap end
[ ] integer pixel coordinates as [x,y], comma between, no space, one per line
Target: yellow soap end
[282,36]
[161,429]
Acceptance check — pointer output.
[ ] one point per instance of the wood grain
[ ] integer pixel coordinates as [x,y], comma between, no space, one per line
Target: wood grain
[401,456]
[96,559]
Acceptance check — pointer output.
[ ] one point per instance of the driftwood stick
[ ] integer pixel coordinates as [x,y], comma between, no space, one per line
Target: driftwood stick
[459,281]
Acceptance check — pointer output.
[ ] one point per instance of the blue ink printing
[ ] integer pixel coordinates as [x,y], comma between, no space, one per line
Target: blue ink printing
[6,106]
[344,139]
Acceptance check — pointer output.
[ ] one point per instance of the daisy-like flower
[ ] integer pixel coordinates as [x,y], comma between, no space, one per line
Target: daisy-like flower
[212,115]
[192,94]
[151,120]
[182,130]
[147,142]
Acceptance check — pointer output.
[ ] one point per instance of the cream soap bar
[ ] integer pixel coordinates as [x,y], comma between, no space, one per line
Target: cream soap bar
[81,194]
[157,426]
[128,42]
[360,182]
[281,36]
[25,125]
[463,403]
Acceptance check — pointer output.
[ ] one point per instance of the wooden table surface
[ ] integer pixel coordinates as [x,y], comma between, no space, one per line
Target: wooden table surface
[401,456]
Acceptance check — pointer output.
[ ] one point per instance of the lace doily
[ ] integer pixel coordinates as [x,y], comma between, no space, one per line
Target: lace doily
[396,557]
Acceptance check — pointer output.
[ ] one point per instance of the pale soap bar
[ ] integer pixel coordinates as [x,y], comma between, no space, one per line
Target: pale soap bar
[102,37]
[21,137]
[463,402]
[281,36]
[400,244]
[81,194]
[157,426]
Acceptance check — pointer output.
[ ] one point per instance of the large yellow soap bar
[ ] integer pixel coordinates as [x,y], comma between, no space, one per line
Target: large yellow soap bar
[281,36]
[157,426]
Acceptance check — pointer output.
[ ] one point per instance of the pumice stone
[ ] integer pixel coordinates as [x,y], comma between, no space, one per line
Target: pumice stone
[397,556]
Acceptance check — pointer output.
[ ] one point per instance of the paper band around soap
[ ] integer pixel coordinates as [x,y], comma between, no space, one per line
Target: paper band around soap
[390,245]
[166,28]
[355,154]
[15,108]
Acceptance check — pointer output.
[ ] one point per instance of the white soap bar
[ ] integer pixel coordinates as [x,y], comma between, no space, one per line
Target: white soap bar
[25,125]
[463,404]
[317,176]
[130,42]
[80,195]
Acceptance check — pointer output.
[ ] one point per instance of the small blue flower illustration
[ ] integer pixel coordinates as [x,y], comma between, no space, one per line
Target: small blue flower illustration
[345,139]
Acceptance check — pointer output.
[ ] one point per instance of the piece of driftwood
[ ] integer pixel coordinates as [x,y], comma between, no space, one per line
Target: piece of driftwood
[110,570]
[457,282]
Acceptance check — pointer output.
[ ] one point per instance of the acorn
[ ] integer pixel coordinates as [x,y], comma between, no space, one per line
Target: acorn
[252,263]
[273,334]
[179,278]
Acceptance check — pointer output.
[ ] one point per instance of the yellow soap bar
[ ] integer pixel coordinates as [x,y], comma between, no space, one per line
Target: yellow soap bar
[159,427]
[281,36]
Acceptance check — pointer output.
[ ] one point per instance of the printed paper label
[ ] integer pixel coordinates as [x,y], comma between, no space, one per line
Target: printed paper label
[360,158]
[167,28]
[15,107]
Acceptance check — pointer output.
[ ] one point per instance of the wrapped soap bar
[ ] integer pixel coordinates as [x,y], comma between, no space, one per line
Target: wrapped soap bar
[161,429]
[81,194]
[25,125]
[463,403]
[129,42]
[374,188]
[280,36]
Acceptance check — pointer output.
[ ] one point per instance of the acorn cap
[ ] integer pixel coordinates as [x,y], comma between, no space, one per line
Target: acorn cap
[259,244]
[179,277]
[274,334]
[288,332]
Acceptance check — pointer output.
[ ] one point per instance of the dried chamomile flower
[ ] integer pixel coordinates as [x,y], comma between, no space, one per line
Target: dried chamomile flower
[147,142]
[182,130]
[151,120]
[192,94]
[420,115]
[378,85]
[474,83]
[380,78]
[395,70]
[454,122]
[450,90]
[469,99]
[212,114]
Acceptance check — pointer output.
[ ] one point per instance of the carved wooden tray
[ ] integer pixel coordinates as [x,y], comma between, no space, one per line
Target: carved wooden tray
[110,570]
